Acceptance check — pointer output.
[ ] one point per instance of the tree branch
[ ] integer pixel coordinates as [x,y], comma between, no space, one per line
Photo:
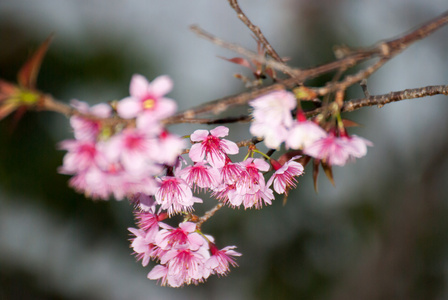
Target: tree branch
[256,30]
[280,66]
[385,50]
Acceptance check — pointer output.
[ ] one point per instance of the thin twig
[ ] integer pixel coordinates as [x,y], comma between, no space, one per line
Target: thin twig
[280,66]
[386,50]
[256,30]
[381,100]
[211,121]
[208,215]
[220,105]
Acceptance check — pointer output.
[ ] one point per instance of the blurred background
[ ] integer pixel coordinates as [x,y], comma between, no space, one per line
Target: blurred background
[381,233]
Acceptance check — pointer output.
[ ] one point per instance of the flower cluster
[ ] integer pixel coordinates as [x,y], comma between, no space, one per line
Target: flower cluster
[107,159]
[185,255]
[123,150]
[272,114]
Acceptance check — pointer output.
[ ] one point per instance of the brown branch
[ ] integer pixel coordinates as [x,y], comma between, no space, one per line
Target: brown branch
[280,66]
[220,105]
[47,102]
[385,50]
[256,30]
[381,100]
[208,215]
[228,120]
[350,79]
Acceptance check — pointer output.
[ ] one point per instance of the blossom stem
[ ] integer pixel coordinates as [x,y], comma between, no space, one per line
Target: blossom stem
[259,152]
[208,215]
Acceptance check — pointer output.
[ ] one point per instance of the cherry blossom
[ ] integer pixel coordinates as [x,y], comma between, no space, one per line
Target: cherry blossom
[147,98]
[230,172]
[284,178]
[133,150]
[185,266]
[87,129]
[184,235]
[201,175]
[303,133]
[220,260]
[251,178]
[338,150]
[143,246]
[262,195]
[272,117]
[211,147]
[174,195]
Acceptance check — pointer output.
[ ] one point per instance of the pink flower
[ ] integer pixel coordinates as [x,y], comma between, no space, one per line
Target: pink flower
[256,198]
[273,135]
[274,108]
[159,272]
[84,128]
[357,145]
[185,266]
[284,176]
[149,222]
[200,175]
[211,147]
[231,172]
[183,236]
[111,179]
[272,117]
[338,150]
[132,149]
[251,178]
[169,148]
[220,260]
[147,98]
[174,195]
[81,156]
[144,202]
[224,192]
[303,133]
[143,246]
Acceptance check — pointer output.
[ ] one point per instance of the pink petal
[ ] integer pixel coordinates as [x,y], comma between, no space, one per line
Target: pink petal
[188,226]
[231,147]
[220,131]
[279,186]
[166,107]
[196,153]
[139,86]
[261,164]
[157,272]
[160,86]
[199,135]
[101,110]
[129,108]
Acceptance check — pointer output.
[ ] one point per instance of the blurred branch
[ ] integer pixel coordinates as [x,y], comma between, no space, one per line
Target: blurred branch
[256,30]
[385,50]
[241,50]
[381,100]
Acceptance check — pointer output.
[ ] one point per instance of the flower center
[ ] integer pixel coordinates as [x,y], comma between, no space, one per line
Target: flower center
[149,103]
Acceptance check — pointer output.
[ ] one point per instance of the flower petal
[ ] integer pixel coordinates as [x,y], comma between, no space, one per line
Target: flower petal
[160,86]
[129,108]
[220,131]
[139,86]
